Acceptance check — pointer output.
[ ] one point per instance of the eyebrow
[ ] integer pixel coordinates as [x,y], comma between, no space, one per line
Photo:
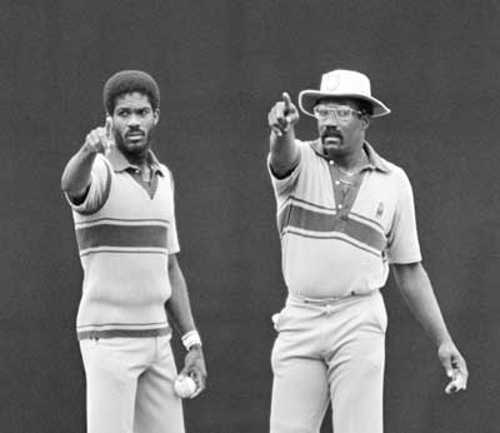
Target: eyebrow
[126,107]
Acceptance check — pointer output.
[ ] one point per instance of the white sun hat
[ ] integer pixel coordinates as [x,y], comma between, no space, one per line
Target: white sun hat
[343,84]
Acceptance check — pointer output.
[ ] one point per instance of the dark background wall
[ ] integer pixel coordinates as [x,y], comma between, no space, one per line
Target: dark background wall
[221,65]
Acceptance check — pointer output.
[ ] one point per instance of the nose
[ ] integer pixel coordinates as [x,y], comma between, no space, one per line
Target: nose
[331,121]
[133,120]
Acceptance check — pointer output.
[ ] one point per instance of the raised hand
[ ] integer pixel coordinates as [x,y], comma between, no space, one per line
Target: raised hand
[283,115]
[100,139]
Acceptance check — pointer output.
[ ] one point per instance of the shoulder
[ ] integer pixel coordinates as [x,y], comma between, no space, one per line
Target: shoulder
[396,172]
[394,169]
[167,176]
[306,146]
[165,170]
[102,164]
[308,150]
[400,182]
[394,176]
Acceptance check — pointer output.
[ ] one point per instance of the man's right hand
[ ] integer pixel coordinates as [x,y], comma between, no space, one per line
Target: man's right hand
[283,116]
[99,140]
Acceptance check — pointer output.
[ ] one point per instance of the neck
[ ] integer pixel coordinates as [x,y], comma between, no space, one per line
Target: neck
[142,161]
[350,161]
[139,159]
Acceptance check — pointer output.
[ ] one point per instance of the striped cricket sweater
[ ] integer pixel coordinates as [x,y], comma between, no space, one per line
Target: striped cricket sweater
[125,233]
[337,241]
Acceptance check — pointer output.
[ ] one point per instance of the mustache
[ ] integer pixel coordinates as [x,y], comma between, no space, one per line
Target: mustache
[133,131]
[330,131]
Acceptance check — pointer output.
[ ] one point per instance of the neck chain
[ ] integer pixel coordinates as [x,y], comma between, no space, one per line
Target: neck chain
[353,171]
[147,173]
[347,172]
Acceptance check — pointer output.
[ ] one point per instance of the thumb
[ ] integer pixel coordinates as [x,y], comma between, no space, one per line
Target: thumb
[447,364]
[186,371]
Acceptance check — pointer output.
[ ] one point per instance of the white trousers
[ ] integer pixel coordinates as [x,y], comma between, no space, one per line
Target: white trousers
[329,351]
[130,386]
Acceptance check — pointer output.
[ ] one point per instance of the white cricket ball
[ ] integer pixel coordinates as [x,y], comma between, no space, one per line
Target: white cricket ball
[184,386]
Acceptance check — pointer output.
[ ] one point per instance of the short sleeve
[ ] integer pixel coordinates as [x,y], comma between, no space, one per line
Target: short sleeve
[172,236]
[283,186]
[403,244]
[99,188]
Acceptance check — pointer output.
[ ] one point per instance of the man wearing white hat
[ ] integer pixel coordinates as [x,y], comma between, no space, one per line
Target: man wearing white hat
[345,217]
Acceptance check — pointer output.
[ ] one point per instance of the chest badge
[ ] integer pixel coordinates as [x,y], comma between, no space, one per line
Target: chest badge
[380,210]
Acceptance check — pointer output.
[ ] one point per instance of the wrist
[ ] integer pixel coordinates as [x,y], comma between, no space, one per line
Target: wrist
[444,340]
[194,347]
[282,132]
[88,151]
[191,340]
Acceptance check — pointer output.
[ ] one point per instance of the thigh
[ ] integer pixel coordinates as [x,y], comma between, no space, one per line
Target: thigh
[158,409]
[300,389]
[111,374]
[356,373]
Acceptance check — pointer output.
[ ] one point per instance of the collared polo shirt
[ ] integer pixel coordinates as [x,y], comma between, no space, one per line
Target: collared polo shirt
[335,246]
[125,231]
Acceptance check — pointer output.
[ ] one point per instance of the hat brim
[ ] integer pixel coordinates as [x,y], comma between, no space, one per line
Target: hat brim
[309,98]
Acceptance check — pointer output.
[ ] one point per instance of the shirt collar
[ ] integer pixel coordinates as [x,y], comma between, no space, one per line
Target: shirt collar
[375,161]
[120,163]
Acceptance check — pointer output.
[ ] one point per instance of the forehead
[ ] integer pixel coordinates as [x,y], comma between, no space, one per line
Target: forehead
[351,102]
[133,100]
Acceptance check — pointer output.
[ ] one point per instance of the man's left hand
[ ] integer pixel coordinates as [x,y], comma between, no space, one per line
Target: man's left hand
[194,366]
[455,366]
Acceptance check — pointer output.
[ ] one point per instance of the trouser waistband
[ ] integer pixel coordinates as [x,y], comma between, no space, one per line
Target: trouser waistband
[299,299]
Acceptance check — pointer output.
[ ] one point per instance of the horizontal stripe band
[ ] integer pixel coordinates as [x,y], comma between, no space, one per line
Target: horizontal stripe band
[111,235]
[121,325]
[318,222]
[331,236]
[115,333]
[119,250]
[122,222]
[305,203]
[371,222]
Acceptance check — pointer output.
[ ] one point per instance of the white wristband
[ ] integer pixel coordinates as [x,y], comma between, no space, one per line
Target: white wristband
[190,339]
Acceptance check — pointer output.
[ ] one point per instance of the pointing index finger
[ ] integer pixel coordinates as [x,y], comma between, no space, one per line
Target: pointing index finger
[108,125]
[109,139]
[287,101]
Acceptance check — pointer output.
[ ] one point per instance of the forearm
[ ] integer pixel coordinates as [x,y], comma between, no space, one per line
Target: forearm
[418,293]
[284,152]
[178,306]
[179,310]
[77,173]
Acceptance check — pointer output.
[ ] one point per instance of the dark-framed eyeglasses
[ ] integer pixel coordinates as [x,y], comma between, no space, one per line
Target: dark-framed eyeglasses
[341,112]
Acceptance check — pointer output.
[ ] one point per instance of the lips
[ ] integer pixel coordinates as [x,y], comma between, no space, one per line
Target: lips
[135,135]
[331,136]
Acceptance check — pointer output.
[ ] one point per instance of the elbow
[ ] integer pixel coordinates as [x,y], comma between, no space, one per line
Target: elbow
[173,264]
[65,185]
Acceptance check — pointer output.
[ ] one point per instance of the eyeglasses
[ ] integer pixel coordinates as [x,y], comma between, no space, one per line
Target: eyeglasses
[343,112]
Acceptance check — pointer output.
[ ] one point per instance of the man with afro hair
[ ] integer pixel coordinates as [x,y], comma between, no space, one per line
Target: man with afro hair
[122,200]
